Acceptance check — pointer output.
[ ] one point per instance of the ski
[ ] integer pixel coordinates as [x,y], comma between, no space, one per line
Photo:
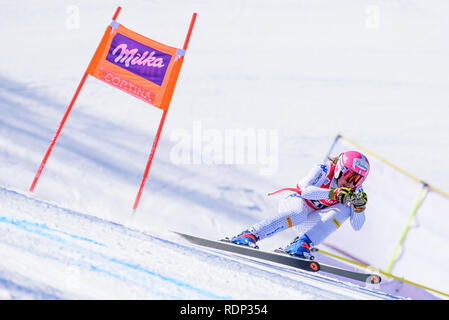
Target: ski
[354,275]
[281,257]
[227,245]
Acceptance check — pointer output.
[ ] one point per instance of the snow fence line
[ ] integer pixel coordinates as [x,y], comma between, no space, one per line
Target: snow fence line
[402,210]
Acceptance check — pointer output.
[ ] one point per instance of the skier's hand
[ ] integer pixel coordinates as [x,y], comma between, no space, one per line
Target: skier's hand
[359,201]
[342,195]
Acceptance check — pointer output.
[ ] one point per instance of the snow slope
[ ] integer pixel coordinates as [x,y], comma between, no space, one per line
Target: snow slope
[55,253]
[307,70]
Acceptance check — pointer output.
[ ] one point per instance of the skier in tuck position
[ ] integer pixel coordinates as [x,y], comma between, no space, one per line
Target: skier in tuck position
[324,199]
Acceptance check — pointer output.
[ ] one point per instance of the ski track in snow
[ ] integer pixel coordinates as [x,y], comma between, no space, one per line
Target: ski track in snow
[82,252]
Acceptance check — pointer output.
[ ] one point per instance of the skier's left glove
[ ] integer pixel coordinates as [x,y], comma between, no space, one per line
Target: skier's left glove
[359,201]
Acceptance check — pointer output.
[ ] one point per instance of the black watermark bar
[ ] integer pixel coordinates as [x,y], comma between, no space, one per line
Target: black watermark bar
[214,309]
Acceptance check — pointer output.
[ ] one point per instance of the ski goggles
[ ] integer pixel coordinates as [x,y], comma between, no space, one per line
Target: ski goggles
[353,177]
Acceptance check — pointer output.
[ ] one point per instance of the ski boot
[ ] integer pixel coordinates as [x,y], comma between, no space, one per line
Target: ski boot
[246,238]
[300,247]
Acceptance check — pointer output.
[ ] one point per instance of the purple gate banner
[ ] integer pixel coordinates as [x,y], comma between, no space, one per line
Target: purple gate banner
[139,59]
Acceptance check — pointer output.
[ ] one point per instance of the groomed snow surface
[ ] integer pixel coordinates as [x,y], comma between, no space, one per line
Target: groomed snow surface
[297,72]
[55,253]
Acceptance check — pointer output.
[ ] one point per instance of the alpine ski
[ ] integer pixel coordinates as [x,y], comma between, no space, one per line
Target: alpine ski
[281,257]
[228,246]
[355,275]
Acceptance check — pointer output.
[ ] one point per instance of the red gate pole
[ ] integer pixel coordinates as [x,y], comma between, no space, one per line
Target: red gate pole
[64,118]
[159,130]
[58,131]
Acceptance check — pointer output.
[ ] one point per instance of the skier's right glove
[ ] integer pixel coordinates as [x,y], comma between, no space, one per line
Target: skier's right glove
[359,201]
[342,195]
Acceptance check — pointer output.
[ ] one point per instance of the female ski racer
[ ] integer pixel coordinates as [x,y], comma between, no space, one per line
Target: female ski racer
[324,199]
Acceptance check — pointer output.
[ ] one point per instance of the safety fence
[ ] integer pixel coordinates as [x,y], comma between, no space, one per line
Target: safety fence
[405,235]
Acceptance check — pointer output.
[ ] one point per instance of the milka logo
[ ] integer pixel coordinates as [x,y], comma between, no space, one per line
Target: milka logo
[138,58]
[133,57]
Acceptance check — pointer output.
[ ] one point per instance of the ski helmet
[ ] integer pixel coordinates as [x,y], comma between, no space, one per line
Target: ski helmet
[353,166]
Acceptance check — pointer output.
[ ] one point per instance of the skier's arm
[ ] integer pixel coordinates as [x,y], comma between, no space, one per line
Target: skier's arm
[357,220]
[308,184]
[358,209]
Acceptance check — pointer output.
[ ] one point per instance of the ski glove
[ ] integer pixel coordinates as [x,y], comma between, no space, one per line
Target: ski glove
[359,201]
[342,195]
